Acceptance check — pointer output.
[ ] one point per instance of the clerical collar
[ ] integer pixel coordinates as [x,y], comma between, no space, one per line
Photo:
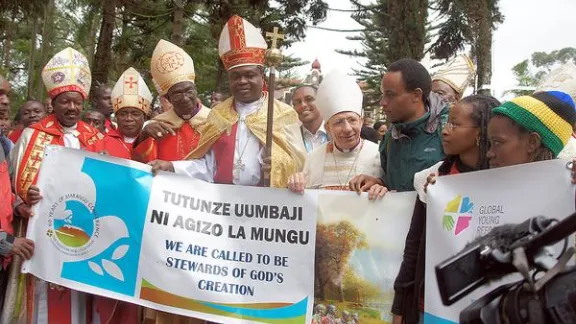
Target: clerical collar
[69,130]
[129,140]
[358,146]
[243,109]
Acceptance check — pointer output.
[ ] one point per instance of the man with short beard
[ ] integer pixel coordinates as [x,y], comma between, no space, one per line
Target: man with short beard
[309,133]
[67,82]
[231,148]
[173,134]
[32,111]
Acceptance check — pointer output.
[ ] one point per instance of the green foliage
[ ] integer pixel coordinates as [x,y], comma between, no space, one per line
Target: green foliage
[138,25]
[530,72]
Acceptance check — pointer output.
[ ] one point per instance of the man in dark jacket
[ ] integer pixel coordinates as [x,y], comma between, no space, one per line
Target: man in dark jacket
[417,115]
[414,143]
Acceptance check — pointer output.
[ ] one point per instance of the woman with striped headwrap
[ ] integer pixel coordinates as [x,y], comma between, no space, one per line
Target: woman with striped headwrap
[530,128]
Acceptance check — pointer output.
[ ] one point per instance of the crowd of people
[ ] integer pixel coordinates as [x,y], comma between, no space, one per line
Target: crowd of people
[322,141]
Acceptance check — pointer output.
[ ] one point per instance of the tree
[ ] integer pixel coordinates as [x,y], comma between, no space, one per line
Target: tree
[286,68]
[292,16]
[406,28]
[530,72]
[374,39]
[467,22]
[334,246]
[103,56]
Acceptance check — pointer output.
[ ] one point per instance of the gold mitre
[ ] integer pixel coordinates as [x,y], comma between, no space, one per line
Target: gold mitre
[457,73]
[170,65]
[131,91]
[241,44]
[561,79]
[67,71]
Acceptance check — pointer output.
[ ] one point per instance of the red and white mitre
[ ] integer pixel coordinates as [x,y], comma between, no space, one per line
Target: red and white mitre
[241,44]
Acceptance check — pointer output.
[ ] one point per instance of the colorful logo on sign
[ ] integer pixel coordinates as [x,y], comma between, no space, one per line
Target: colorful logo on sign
[458,214]
[98,229]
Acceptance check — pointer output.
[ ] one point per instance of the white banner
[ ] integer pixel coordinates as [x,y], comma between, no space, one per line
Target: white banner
[465,206]
[216,252]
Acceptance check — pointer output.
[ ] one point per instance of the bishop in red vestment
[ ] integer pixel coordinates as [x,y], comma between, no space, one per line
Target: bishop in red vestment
[172,135]
[131,100]
[67,79]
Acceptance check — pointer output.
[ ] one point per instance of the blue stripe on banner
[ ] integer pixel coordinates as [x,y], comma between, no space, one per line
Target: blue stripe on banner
[431,319]
[293,310]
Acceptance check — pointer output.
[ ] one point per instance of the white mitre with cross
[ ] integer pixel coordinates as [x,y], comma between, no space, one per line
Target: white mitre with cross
[131,91]
[338,92]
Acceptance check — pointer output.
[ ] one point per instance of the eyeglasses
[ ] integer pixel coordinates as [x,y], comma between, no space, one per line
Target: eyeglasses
[450,126]
[178,96]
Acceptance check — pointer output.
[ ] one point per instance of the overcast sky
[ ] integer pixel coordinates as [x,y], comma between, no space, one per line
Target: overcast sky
[529,26]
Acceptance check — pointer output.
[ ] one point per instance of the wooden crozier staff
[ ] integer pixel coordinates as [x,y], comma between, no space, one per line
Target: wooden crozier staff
[273,60]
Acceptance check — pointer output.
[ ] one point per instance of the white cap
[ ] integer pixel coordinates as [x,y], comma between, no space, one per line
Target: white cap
[561,79]
[338,93]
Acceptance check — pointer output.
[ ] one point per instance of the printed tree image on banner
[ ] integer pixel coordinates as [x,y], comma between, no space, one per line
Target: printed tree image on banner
[359,248]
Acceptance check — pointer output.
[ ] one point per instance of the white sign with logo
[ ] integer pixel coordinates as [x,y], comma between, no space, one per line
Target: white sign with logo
[465,206]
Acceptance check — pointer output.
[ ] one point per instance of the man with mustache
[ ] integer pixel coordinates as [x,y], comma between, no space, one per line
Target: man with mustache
[309,133]
[32,111]
[67,79]
[231,148]
[172,135]
[131,102]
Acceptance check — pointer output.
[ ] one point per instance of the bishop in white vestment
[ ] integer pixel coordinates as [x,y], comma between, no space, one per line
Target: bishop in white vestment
[333,164]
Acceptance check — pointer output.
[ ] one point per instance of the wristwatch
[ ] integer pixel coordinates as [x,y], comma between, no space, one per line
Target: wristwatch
[6,242]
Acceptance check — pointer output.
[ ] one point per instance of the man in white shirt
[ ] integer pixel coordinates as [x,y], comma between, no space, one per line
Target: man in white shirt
[309,133]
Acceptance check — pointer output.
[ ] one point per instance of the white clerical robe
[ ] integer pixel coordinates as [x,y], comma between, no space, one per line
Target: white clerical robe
[247,152]
[327,166]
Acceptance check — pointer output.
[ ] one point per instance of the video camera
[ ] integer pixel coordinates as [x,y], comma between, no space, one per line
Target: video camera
[547,294]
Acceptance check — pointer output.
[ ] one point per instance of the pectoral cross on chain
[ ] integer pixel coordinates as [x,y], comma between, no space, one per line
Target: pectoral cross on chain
[239,165]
